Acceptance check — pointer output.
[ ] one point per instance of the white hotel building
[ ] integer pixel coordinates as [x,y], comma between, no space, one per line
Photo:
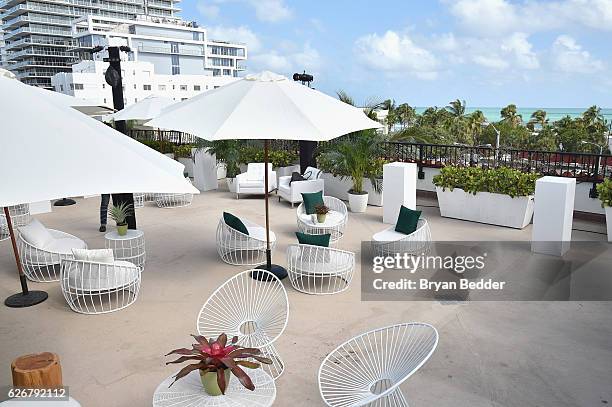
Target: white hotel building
[170,58]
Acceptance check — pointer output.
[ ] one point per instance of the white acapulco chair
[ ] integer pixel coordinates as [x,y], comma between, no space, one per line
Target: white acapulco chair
[368,369]
[173,200]
[240,249]
[335,223]
[139,200]
[20,216]
[389,242]
[254,310]
[98,288]
[319,270]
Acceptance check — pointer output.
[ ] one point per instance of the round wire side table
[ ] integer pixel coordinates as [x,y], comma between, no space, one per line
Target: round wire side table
[189,391]
[130,247]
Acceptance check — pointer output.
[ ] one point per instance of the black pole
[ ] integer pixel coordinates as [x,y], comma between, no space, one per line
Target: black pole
[275,269]
[25,298]
[307,158]
[115,80]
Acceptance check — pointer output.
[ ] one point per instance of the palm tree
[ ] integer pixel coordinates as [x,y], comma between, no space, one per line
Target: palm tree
[475,123]
[509,115]
[405,114]
[457,108]
[539,117]
[592,116]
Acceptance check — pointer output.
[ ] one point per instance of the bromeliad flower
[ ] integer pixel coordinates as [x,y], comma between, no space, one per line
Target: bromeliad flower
[217,356]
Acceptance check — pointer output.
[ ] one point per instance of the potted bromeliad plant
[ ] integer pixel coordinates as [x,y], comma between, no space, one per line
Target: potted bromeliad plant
[119,213]
[356,157]
[321,211]
[217,360]
[604,190]
[499,196]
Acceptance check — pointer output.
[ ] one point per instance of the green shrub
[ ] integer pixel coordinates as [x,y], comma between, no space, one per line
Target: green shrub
[278,158]
[604,190]
[502,180]
[162,146]
[183,151]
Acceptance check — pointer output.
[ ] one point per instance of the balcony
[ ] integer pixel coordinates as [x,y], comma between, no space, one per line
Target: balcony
[51,42]
[167,50]
[36,30]
[39,52]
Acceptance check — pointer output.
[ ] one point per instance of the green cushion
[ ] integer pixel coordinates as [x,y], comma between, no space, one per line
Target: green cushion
[312,199]
[315,240]
[407,220]
[234,223]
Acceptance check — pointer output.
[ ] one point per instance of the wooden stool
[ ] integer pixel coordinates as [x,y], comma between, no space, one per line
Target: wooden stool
[37,371]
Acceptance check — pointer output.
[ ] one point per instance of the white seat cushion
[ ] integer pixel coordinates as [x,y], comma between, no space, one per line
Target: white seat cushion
[103,277]
[389,235]
[327,262]
[251,184]
[97,255]
[260,233]
[64,245]
[36,234]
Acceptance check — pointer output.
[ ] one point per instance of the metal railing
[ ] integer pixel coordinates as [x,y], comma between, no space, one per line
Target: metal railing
[175,137]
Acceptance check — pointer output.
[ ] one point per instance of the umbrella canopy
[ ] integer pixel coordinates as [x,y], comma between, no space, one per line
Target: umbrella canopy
[80,104]
[50,152]
[145,109]
[264,106]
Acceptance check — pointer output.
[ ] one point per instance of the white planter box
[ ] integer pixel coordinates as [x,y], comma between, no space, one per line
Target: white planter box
[188,163]
[221,171]
[485,207]
[609,222]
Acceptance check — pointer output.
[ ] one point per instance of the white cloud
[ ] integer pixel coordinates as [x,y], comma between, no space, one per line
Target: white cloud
[208,10]
[500,17]
[271,10]
[493,61]
[521,49]
[306,58]
[570,57]
[396,53]
[237,34]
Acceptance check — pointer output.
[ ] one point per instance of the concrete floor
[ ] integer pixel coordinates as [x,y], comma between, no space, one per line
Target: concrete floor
[490,353]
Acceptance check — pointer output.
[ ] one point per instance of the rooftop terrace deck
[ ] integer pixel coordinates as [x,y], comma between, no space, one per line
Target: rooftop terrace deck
[490,353]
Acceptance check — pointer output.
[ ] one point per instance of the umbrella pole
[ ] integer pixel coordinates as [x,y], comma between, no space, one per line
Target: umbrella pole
[25,298]
[275,269]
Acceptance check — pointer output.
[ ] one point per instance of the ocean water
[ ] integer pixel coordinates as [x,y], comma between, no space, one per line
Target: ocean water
[553,113]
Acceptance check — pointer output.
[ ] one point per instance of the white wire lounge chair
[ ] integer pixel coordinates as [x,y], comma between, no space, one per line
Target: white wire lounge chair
[20,216]
[389,242]
[173,200]
[98,288]
[41,254]
[368,369]
[335,222]
[139,200]
[240,249]
[254,310]
[319,270]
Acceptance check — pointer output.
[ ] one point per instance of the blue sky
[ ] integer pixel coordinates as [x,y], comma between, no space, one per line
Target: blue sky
[534,53]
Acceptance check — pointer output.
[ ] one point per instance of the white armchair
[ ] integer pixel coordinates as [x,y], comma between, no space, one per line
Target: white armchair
[292,191]
[252,181]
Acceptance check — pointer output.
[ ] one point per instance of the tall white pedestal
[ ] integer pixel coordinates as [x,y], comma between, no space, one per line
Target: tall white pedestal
[553,215]
[399,188]
[205,171]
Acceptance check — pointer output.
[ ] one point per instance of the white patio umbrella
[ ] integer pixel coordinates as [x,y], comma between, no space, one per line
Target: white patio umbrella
[264,106]
[145,109]
[52,151]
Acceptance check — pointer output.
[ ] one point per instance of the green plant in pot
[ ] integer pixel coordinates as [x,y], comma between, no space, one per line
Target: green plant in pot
[119,213]
[217,360]
[357,157]
[321,211]
[227,152]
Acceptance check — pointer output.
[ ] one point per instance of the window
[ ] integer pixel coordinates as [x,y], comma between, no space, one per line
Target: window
[161,87]
[78,86]
[227,72]
[103,86]
[184,99]
[196,88]
[183,87]
[196,36]
[134,86]
[135,100]
[146,87]
[61,88]
[174,47]
[176,70]
[104,100]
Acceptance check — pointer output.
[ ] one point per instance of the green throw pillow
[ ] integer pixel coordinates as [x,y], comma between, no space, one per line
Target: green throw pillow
[315,240]
[312,199]
[407,220]
[235,223]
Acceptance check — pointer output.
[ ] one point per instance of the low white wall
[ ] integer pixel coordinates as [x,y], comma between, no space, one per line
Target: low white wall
[338,188]
[582,201]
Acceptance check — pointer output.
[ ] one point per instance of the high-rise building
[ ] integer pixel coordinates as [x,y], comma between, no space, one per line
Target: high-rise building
[38,37]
